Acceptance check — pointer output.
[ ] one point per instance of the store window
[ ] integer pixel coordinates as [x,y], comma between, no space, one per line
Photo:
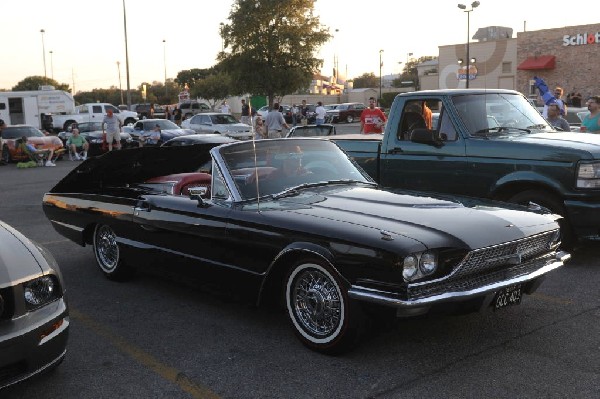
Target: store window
[507,67]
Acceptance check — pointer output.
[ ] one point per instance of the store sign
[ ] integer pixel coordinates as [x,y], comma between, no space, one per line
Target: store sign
[462,73]
[581,38]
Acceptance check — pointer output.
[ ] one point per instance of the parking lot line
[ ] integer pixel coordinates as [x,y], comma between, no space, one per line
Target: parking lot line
[553,299]
[168,373]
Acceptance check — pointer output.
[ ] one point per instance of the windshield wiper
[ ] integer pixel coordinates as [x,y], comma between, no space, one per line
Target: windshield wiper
[499,129]
[288,192]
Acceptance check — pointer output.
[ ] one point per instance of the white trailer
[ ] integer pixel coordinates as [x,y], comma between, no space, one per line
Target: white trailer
[35,107]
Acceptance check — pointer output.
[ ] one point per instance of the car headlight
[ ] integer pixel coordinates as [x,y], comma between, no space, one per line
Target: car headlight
[40,291]
[588,175]
[419,265]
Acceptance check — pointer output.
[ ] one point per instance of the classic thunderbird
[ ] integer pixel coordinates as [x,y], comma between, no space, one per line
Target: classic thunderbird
[297,220]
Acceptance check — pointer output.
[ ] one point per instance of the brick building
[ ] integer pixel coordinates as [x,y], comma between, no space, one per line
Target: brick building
[568,57]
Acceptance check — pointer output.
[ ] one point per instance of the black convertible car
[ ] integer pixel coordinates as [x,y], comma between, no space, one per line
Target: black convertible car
[295,220]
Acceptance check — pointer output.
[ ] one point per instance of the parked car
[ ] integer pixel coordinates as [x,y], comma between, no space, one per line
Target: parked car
[92,132]
[346,112]
[10,135]
[143,110]
[263,111]
[311,130]
[295,222]
[217,122]
[168,129]
[190,108]
[199,138]
[34,316]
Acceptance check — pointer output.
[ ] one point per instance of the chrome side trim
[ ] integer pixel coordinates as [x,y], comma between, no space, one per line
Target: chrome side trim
[68,226]
[388,299]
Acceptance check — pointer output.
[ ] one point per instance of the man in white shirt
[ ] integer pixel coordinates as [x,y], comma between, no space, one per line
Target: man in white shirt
[224,107]
[320,113]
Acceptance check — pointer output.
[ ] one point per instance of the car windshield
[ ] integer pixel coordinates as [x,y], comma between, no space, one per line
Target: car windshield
[342,107]
[223,119]
[501,113]
[89,126]
[163,124]
[16,132]
[272,168]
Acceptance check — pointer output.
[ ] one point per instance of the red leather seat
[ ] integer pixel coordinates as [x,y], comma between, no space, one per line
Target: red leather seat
[184,181]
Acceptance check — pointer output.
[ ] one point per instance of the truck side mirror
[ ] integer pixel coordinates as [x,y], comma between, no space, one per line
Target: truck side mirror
[426,136]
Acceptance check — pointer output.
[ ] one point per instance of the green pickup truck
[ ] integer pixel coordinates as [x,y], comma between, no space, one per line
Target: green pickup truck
[486,143]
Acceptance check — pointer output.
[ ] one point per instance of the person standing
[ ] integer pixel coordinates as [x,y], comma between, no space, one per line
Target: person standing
[556,120]
[245,113]
[275,122]
[167,113]
[224,107]
[304,113]
[591,122]
[320,113]
[177,116]
[576,99]
[295,114]
[372,119]
[111,129]
[558,92]
[259,129]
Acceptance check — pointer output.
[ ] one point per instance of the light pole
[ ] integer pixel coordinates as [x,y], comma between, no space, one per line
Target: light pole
[44,52]
[165,60]
[51,65]
[463,7]
[380,66]
[126,57]
[120,88]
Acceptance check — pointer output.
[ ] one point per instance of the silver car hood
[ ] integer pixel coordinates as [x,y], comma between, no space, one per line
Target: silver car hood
[20,260]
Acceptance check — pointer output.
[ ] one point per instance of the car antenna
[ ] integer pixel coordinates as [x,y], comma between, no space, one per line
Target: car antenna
[255,165]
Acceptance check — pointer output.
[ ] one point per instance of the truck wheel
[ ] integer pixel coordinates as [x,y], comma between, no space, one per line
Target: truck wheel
[549,201]
[67,125]
[129,121]
[349,119]
[317,303]
[5,154]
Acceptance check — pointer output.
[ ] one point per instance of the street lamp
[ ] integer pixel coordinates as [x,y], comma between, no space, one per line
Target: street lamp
[120,88]
[380,66]
[463,7]
[51,65]
[165,60]
[44,52]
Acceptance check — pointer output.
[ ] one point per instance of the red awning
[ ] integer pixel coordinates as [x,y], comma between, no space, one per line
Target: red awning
[539,62]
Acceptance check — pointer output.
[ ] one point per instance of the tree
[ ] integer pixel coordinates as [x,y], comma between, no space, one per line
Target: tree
[272,46]
[191,76]
[214,88]
[34,82]
[410,73]
[366,80]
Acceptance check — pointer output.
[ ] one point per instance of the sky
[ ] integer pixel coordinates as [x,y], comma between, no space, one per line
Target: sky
[83,41]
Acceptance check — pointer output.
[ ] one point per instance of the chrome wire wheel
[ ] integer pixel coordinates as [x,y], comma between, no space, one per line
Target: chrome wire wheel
[316,305]
[106,248]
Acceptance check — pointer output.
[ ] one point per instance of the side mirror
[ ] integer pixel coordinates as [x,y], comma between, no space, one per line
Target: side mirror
[197,193]
[425,136]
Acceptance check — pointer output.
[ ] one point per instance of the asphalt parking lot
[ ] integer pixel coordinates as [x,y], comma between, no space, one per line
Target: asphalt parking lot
[160,337]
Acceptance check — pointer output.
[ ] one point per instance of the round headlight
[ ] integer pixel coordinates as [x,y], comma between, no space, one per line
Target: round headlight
[428,263]
[39,291]
[410,267]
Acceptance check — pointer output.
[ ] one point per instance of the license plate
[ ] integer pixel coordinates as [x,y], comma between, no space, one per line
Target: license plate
[508,296]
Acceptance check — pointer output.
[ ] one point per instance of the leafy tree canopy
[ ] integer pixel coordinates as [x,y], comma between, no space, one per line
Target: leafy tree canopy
[272,46]
[34,83]
[366,80]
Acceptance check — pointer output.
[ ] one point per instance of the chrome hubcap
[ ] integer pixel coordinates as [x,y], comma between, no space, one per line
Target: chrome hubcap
[107,249]
[317,303]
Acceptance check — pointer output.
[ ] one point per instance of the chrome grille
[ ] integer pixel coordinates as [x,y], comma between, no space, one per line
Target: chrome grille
[490,265]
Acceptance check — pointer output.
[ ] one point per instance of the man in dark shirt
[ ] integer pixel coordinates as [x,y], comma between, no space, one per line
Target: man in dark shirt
[245,113]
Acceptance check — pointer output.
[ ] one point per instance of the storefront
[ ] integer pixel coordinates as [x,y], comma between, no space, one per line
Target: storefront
[567,57]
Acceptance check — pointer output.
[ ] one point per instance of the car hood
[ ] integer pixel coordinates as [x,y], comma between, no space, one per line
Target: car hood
[559,145]
[46,142]
[170,133]
[437,220]
[233,128]
[19,258]
[134,165]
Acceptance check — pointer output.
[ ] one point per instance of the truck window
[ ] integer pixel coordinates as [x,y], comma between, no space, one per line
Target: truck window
[417,114]
[96,109]
[447,130]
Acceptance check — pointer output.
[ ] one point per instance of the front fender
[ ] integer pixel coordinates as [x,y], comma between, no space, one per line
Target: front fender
[523,180]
